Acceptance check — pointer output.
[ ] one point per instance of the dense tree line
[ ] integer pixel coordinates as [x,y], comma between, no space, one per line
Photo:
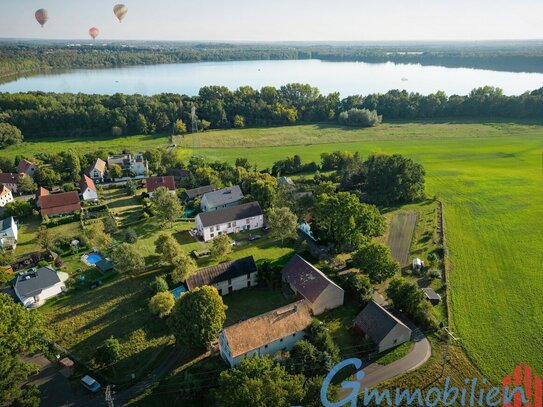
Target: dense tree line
[39,114]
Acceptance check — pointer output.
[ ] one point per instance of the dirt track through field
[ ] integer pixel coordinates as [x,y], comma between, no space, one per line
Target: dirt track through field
[400,236]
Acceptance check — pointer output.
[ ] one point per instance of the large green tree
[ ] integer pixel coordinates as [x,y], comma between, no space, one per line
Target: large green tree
[183,267]
[408,297]
[166,206]
[259,382]
[198,317]
[375,259]
[221,247]
[9,135]
[283,223]
[127,258]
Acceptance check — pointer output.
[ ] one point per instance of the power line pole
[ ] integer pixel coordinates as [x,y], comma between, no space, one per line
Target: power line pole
[109,398]
[449,336]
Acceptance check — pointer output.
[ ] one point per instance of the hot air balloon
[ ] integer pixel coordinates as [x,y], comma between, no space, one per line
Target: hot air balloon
[120,11]
[93,32]
[42,16]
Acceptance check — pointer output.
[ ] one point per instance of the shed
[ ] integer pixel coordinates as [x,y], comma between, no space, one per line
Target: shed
[431,295]
[104,266]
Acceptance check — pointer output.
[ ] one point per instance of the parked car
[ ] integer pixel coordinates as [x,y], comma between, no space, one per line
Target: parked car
[90,384]
[254,237]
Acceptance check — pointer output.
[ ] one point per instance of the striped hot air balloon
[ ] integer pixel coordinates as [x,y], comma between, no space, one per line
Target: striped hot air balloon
[41,16]
[120,11]
[93,32]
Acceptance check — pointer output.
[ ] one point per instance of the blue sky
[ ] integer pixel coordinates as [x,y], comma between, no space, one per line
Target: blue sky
[279,20]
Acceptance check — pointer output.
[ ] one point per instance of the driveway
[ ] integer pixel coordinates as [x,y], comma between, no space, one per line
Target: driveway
[56,390]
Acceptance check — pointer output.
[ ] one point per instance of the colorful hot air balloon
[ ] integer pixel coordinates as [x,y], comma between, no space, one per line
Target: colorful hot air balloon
[93,32]
[42,16]
[120,11]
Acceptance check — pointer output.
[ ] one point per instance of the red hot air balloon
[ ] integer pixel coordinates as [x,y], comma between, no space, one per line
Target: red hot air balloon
[93,32]
[120,11]
[42,16]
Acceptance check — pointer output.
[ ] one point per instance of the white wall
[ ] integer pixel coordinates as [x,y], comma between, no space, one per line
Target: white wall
[5,199]
[230,227]
[236,284]
[398,335]
[332,297]
[90,195]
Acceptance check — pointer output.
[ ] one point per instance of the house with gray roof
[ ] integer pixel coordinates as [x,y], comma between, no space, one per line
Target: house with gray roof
[221,198]
[34,287]
[311,284]
[191,194]
[383,328]
[9,233]
[226,277]
[235,219]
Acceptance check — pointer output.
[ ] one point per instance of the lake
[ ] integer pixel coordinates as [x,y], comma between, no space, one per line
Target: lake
[348,78]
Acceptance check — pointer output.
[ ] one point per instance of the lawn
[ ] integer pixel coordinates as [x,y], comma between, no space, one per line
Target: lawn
[400,236]
[250,302]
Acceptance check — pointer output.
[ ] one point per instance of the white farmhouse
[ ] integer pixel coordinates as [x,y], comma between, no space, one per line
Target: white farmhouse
[88,189]
[5,196]
[8,233]
[221,198]
[34,287]
[230,220]
[265,334]
[310,283]
[226,277]
[98,170]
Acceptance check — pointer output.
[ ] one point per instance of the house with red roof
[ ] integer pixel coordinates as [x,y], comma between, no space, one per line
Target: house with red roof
[88,189]
[153,183]
[27,167]
[5,196]
[9,179]
[64,203]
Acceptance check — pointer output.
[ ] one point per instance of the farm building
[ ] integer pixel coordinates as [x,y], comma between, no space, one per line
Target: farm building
[431,295]
[58,204]
[226,277]
[383,328]
[191,194]
[230,220]
[310,283]
[265,334]
[221,198]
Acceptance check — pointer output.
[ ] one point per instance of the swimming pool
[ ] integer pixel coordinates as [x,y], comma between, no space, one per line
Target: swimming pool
[93,258]
[176,292]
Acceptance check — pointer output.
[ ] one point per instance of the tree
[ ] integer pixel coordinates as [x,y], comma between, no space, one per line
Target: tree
[110,225]
[131,187]
[99,237]
[259,382]
[161,303]
[44,238]
[198,317]
[68,186]
[168,248]
[7,164]
[179,127]
[409,298]
[153,157]
[344,221]
[243,163]
[141,125]
[167,206]
[375,259]
[183,267]
[72,164]
[159,285]
[239,121]
[128,258]
[115,171]
[360,286]
[9,135]
[305,359]
[47,177]
[26,185]
[221,246]
[130,236]
[262,188]
[283,223]
[19,209]
[360,118]
[20,331]
[109,352]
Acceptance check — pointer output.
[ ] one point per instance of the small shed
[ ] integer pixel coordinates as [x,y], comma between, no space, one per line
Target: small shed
[431,295]
[418,264]
[104,266]
[67,367]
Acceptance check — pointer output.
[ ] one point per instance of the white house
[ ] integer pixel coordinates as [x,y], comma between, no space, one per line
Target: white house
[230,220]
[309,283]
[88,189]
[135,164]
[221,198]
[383,328]
[27,167]
[98,170]
[35,287]
[9,179]
[8,233]
[265,334]
[5,196]
[226,277]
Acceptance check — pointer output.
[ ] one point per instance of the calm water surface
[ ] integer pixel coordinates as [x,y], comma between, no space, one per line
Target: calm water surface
[348,78]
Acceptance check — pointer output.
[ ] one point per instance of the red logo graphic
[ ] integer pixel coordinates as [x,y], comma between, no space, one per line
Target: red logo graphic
[531,384]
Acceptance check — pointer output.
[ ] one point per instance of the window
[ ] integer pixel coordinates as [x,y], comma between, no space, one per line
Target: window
[265,346]
[229,281]
[247,221]
[229,224]
[234,224]
[281,340]
[395,341]
[212,235]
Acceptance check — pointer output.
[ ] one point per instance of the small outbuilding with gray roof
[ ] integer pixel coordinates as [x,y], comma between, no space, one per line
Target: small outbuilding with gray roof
[222,198]
[383,328]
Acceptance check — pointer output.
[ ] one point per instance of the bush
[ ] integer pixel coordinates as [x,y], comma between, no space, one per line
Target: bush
[434,274]
[158,285]
[360,286]
[162,303]
[130,236]
[360,118]
[109,352]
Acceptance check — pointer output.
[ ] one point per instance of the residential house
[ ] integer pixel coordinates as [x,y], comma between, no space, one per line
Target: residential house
[135,164]
[230,220]
[310,283]
[10,180]
[88,189]
[98,170]
[5,196]
[64,203]
[27,167]
[265,334]
[153,183]
[221,198]
[286,182]
[180,174]
[192,194]
[34,287]
[383,328]
[8,233]
[226,277]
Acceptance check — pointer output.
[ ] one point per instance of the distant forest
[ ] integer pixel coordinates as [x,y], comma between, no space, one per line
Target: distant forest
[22,58]
[39,114]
